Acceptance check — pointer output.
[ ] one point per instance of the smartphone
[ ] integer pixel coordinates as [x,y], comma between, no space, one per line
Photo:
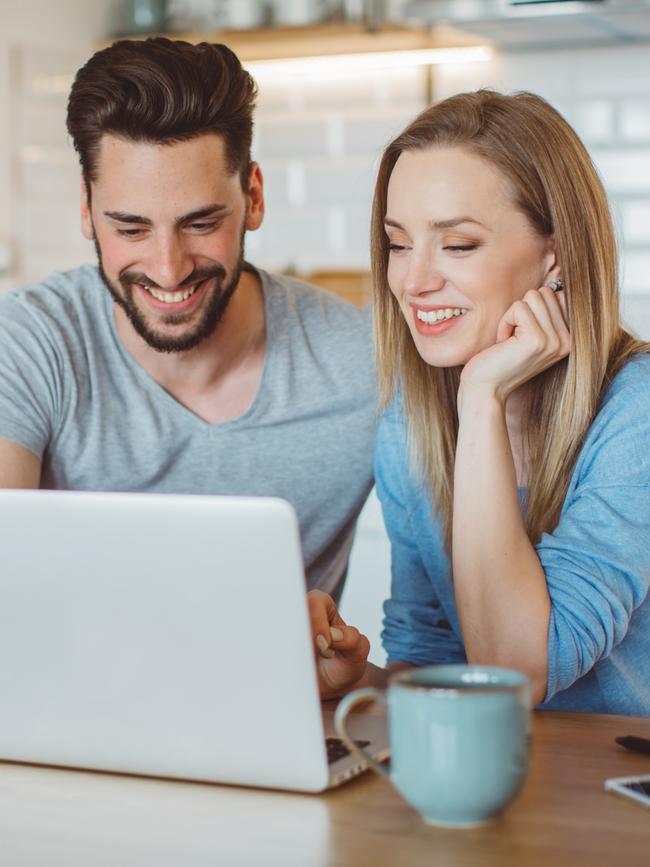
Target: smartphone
[636,788]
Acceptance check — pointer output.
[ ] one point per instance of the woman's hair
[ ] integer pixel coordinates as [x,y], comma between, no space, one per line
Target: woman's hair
[557,188]
[162,91]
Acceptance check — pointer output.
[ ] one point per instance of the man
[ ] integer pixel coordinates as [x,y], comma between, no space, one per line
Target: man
[174,365]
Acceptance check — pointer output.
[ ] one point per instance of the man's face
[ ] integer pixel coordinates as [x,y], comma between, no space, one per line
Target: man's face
[168,223]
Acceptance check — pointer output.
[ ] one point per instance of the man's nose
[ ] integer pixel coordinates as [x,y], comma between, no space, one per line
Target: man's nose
[423,276]
[170,262]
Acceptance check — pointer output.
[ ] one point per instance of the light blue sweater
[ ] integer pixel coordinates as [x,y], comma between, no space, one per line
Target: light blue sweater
[596,561]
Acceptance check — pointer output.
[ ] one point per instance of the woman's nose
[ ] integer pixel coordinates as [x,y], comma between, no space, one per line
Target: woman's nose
[423,276]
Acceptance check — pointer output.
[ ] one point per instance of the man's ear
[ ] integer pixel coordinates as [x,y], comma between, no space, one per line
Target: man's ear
[87,228]
[255,196]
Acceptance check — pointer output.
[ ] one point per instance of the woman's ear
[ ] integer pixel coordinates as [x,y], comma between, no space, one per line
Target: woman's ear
[551,265]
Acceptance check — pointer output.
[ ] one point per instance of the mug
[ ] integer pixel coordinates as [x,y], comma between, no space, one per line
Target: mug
[459,739]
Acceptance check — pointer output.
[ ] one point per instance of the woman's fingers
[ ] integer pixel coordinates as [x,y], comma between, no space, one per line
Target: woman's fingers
[538,318]
[519,320]
[556,306]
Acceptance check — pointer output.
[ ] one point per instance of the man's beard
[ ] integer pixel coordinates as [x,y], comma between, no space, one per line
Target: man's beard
[211,316]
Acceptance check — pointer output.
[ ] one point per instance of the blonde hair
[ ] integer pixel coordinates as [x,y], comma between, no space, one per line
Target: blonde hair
[557,188]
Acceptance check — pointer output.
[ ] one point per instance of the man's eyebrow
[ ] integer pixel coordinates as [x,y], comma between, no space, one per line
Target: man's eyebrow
[439,224]
[121,217]
[207,211]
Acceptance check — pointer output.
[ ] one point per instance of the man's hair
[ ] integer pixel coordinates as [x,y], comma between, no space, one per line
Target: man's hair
[162,91]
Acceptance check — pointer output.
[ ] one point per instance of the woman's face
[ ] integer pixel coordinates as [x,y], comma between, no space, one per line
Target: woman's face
[460,251]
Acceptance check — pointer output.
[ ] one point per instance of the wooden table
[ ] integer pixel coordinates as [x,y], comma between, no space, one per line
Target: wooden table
[57,818]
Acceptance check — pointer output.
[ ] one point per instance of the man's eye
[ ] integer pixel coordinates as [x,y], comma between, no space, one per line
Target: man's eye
[129,233]
[203,227]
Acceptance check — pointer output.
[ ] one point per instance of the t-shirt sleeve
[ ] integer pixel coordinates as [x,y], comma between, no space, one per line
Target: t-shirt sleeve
[597,560]
[416,628]
[29,377]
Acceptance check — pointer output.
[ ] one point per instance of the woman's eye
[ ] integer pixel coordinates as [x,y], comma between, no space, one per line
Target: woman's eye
[396,248]
[455,248]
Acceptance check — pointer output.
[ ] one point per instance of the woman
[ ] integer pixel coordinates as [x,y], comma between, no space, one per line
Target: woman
[514,452]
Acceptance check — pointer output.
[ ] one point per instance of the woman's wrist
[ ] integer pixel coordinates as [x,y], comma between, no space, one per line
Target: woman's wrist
[476,398]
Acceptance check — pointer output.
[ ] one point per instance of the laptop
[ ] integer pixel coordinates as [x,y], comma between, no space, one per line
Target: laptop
[164,635]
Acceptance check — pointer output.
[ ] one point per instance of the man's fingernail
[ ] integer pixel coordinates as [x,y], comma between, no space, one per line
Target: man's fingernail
[337,634]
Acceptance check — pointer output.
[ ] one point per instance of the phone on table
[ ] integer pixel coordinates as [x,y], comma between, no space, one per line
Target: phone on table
[636,788]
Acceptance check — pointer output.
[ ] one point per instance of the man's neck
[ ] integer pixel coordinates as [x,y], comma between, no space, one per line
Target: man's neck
[217,379]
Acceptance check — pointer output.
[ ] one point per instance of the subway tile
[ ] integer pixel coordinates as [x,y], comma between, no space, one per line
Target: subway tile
[363,90]
[46,72]
[624,171]
[275,183]
[635,120]
[54,181]
[340,182]
[636,314]
[635,272]
[357,232]
[294,239]
[291,138]
[50,222]
[370,135]
[42,124]
[594,120]
[636,221]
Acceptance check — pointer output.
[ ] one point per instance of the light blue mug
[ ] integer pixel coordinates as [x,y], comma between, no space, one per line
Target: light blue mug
[459,739]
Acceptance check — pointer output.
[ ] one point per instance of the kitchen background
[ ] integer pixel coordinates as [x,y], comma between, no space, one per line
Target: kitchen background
[319,135]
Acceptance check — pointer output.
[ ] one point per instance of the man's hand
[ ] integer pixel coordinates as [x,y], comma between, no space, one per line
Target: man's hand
[341,650]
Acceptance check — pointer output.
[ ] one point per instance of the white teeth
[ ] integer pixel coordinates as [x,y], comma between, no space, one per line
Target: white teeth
[172,297]
[433,316]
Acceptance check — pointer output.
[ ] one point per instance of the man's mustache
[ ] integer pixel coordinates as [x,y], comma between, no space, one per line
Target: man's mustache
[128,278]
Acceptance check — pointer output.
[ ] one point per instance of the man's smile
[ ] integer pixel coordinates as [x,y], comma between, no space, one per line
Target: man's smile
[176,301]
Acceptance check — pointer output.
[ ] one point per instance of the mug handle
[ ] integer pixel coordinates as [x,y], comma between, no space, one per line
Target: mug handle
[340,717]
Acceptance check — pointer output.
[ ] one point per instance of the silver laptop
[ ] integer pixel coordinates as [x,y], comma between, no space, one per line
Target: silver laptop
[165,635]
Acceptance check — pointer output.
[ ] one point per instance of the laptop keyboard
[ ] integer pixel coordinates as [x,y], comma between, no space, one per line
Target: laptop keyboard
[336,749]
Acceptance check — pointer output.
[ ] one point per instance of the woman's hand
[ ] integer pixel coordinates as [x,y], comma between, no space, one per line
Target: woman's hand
[341,650]
[531,337]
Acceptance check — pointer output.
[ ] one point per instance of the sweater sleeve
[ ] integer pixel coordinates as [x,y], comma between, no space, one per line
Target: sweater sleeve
[597,560]
[416,628]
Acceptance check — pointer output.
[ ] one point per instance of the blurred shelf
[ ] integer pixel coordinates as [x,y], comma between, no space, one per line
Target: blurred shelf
[353,286]
[273,43]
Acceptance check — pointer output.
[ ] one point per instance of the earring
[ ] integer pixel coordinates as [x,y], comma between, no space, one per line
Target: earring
[556,285]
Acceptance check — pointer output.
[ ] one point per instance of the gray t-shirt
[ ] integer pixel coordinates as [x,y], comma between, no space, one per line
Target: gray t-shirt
[72,394]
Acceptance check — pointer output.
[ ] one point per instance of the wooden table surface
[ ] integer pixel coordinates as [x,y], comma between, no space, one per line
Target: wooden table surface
[563,817]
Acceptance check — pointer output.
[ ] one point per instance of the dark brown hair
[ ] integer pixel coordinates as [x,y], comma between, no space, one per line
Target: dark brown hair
[162,91]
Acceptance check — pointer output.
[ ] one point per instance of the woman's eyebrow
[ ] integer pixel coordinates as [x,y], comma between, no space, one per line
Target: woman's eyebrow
[440,224]
[455,221]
